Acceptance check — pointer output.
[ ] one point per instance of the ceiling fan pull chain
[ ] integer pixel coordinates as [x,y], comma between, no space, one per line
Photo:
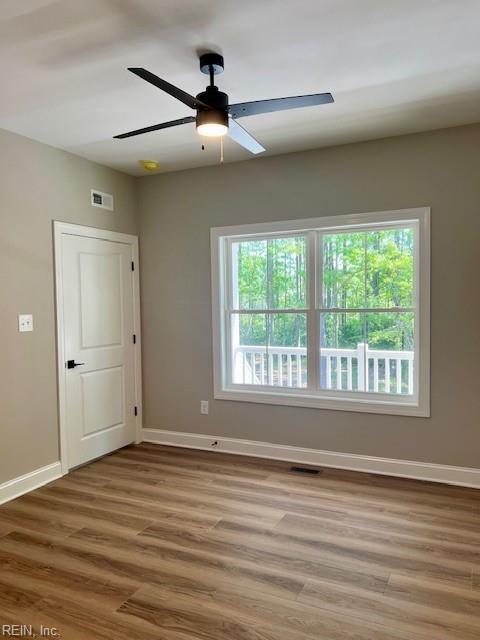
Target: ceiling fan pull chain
[221,150]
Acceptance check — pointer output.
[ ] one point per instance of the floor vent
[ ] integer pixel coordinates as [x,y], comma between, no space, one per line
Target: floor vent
[305,470]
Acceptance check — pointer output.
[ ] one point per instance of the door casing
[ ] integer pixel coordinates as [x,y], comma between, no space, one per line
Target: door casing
[64,228]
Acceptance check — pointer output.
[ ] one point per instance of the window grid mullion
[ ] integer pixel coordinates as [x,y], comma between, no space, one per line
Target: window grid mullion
[250,312]
[368,310]
[318,305]
[313,346]
[228,302]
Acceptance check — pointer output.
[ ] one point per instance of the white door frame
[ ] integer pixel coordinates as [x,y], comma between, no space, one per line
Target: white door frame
[60,229]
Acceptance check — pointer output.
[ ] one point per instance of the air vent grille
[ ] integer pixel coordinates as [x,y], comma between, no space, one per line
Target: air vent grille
[101,199]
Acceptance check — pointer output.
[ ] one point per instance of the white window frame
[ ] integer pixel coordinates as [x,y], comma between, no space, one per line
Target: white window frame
[221,239]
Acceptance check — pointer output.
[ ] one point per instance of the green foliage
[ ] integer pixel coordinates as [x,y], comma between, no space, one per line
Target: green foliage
[372,269]
[272,275]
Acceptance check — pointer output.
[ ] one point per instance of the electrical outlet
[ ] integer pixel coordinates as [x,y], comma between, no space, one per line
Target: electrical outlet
[204,407]
[25,322]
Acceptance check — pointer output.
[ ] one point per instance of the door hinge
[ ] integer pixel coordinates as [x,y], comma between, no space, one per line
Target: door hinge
[134,339]
[133,266]
[135,411]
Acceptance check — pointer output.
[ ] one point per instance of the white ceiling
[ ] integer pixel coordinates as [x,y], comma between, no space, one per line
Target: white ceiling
[393,66]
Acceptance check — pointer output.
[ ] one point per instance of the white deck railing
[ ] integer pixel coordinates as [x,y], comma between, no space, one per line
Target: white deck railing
[360,369]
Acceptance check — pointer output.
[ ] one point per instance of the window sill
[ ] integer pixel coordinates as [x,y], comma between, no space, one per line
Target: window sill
[322,402]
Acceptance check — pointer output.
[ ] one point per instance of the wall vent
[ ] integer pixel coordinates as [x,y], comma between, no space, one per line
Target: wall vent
[102,200]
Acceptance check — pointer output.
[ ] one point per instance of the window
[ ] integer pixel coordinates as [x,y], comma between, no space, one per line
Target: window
[329,313]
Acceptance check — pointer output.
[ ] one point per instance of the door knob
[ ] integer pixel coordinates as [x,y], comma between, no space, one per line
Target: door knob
[71,364]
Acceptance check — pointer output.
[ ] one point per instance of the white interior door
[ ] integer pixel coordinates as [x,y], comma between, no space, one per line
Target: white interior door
[98,346]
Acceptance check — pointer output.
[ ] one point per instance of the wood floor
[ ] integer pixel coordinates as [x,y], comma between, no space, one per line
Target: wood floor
[173,544]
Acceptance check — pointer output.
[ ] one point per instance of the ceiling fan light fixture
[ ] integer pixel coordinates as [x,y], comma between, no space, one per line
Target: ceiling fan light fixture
[212,123]
[212,130]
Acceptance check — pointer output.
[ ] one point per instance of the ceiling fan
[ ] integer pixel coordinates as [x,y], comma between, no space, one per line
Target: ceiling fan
[215,116]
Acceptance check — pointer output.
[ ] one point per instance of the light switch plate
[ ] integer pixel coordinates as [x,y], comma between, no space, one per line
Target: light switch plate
[25,322]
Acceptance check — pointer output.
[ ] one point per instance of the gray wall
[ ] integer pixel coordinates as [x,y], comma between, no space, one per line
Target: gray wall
[39,184]
[439,169]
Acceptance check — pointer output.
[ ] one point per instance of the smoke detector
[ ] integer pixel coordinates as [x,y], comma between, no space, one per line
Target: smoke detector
[149,165]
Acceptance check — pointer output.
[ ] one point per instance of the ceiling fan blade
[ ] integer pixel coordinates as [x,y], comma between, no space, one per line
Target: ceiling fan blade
[242,109]
[171,89]
[156,127]
[243,138]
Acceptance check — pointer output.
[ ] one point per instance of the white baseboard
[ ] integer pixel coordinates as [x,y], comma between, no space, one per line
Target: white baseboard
[462,476]
[23,484]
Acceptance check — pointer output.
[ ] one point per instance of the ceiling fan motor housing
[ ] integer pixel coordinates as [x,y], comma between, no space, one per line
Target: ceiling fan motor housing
[218,101]
[212,116]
